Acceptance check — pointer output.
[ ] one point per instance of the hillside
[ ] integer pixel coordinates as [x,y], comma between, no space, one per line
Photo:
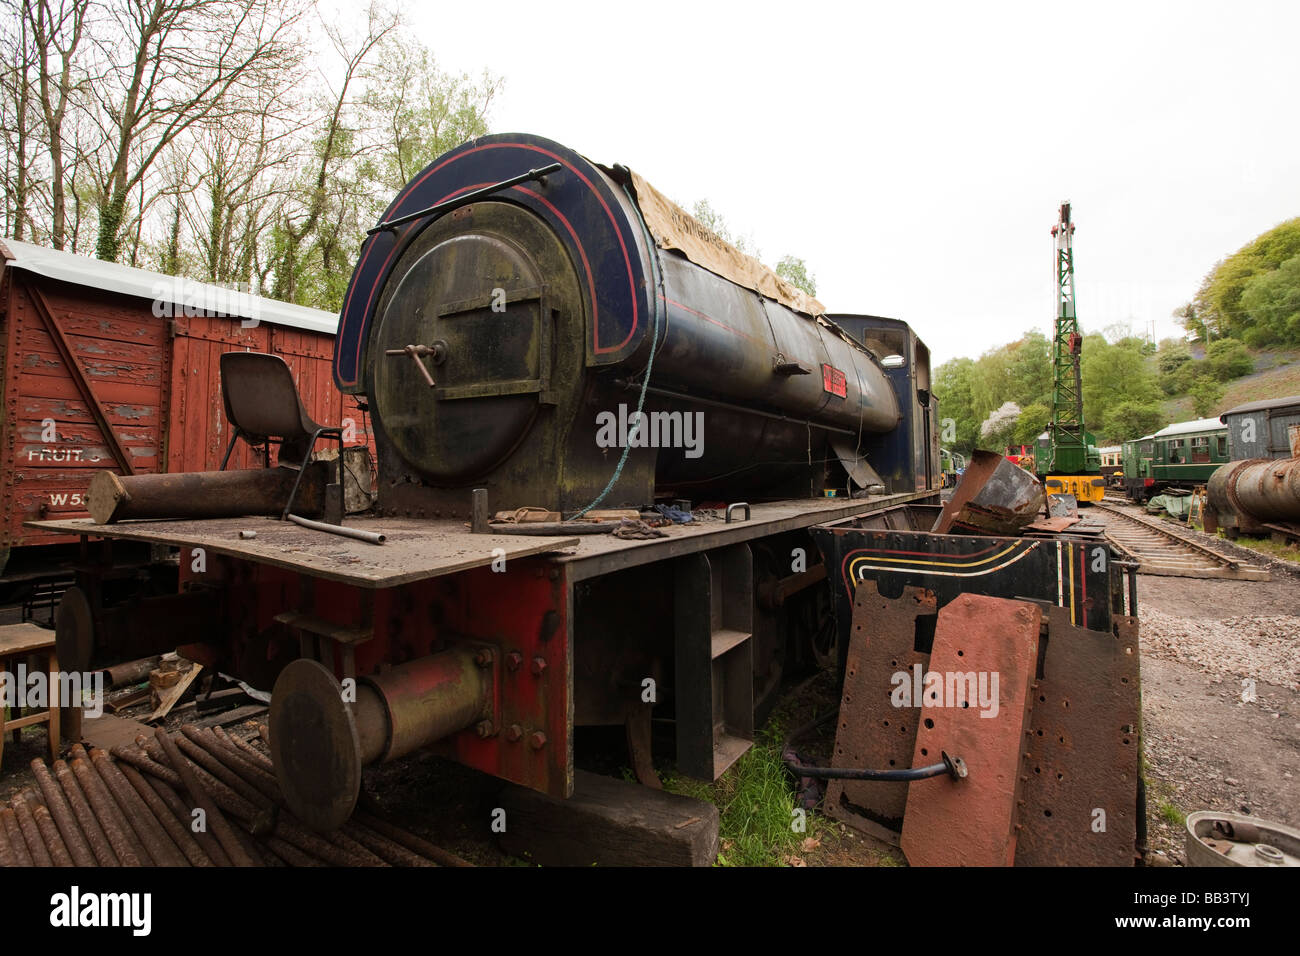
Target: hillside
[1276,375]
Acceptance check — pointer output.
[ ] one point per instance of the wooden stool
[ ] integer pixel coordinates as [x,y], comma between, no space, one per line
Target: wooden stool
[18,641]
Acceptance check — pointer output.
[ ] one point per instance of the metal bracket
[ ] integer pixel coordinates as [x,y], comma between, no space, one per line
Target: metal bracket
[733,507]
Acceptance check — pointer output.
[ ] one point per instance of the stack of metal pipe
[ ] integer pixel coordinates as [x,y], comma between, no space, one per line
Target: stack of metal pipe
[204,797]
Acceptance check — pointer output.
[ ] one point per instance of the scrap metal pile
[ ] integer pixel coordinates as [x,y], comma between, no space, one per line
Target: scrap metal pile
[1001,642]
[203,797]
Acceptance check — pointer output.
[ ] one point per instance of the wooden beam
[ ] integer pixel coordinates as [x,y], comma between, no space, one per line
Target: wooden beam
[78,377]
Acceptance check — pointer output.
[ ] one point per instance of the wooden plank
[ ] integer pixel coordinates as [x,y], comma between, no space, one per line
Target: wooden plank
[231,716]
[609,822]
[107,731]
[168,696]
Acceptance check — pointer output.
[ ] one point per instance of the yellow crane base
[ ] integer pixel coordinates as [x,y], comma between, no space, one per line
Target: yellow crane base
[1085,488]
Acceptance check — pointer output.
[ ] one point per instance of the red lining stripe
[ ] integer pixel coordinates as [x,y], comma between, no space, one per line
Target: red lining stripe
[595,332]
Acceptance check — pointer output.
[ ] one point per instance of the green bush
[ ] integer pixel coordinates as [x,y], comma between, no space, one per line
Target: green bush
[1227,359]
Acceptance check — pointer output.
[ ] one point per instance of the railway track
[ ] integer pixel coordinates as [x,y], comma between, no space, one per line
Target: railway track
[1162,551]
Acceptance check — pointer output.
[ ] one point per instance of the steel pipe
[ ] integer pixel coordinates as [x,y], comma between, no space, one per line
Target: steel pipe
[320,741]
[205,494]
[415,704]
[63,815]
[100,845]
[1262,489]
[14,836]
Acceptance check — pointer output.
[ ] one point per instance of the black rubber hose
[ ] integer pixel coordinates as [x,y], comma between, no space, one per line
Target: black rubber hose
[845,773]
[953,766]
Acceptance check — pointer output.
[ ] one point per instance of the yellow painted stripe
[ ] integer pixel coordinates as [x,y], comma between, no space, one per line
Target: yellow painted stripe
[861,564]
[1069,549]
[945,564]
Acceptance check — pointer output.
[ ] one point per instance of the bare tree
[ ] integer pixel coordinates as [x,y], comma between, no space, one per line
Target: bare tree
[239,176]
[57,28]
[187,63]
[17,114]
[419,112]
[339,141]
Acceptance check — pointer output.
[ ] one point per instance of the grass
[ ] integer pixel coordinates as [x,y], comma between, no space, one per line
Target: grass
[756,805]
[1171,814]
[1284,552]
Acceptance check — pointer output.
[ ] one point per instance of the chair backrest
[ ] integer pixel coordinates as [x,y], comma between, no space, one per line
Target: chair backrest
[260,396]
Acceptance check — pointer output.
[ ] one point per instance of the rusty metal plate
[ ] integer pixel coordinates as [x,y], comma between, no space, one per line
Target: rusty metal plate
[314,745]
[872,732]
[972,821]
[1083,749]
[415,549]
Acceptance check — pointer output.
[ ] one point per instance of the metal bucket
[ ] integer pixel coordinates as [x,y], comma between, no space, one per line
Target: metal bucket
[1231,839]
[993,497]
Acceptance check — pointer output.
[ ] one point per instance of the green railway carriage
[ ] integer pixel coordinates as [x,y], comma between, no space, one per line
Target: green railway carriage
[1112,465]
[1182,455]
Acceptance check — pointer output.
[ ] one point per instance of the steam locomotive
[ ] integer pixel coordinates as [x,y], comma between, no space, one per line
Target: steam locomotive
[544,305]
[526,324]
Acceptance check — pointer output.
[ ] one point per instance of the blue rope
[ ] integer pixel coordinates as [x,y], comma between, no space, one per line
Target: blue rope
[645,382]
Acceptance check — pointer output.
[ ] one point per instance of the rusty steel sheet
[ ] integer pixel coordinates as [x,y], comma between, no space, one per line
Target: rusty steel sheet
[1053,525]
[1083,749]
[973,821]
[993,497]
[872,732]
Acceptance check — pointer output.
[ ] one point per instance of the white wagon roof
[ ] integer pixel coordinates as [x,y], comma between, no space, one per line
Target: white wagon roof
[176,290]
[1184,428]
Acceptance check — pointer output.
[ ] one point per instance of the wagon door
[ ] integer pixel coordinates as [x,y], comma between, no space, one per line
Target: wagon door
[83,378]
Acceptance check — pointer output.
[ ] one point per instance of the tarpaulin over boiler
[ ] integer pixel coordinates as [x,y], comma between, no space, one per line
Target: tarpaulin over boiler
[674,228]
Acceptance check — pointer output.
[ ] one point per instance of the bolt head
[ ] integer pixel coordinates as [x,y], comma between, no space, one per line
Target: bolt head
[538,667]
[537,740]
[483,728]
[514,660]
[484,657]
[514,732]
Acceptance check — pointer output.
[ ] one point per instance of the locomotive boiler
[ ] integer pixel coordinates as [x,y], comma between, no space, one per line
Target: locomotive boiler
[520,308]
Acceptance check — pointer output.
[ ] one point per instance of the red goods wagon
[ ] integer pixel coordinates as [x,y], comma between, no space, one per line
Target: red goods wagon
[109,367]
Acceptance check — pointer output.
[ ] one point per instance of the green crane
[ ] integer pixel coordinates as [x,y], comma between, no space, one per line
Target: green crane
[1072,458]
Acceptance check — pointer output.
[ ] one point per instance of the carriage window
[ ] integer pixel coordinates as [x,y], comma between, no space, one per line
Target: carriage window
[1223,446]
[1145,448]
[1201,449]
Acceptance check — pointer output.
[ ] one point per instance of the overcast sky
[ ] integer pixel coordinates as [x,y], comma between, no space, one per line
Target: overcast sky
[915,154]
